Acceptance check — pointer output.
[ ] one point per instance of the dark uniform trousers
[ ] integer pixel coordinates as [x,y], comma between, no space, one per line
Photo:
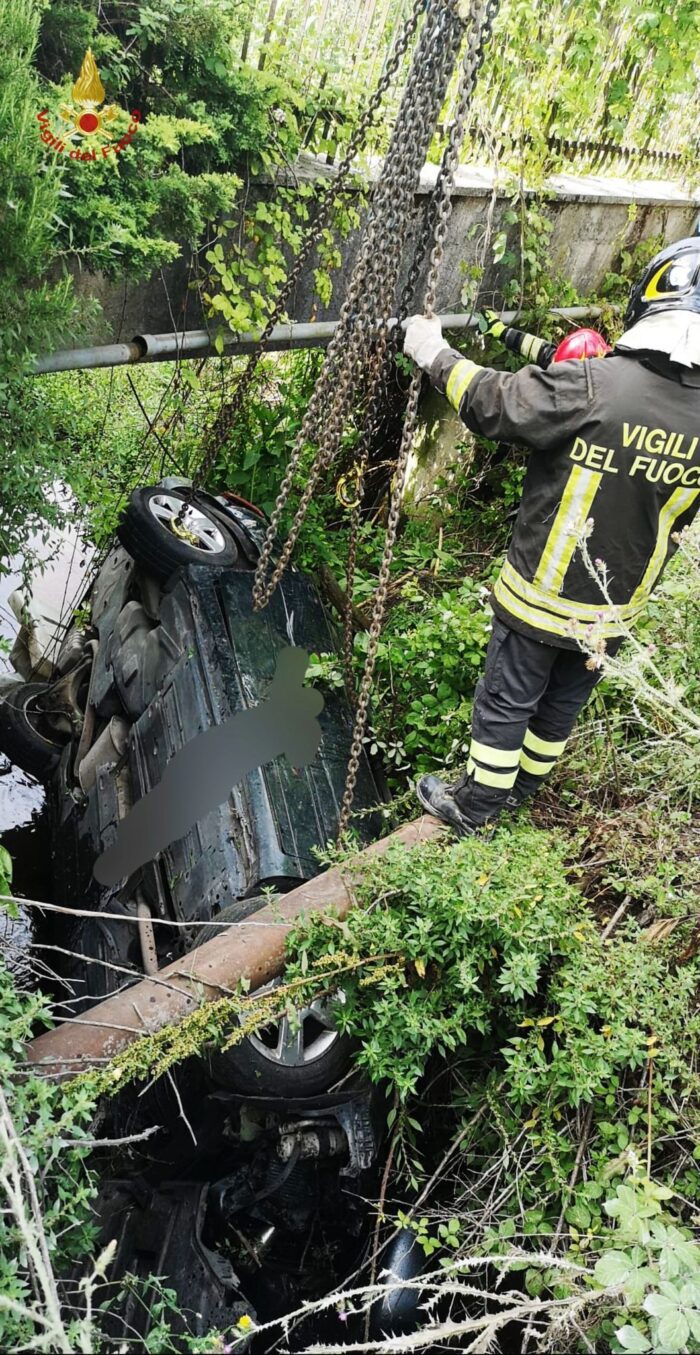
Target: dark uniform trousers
[525,707]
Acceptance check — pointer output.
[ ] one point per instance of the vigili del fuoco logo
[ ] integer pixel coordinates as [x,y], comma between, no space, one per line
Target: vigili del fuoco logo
[88,128]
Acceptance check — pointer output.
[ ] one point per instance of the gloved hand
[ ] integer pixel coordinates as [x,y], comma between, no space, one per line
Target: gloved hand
[423,340]
[490,323]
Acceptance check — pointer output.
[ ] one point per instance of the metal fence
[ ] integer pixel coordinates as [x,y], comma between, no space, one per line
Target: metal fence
[341,45]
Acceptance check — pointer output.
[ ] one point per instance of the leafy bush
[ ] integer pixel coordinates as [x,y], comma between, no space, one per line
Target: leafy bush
[34,310]
[204,114]
[429,660]
[656,1266]
[102,444]
[484,936]
[210,122]
[46,1222]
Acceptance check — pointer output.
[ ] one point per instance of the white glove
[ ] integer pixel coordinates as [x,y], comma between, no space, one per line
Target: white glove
[423,340]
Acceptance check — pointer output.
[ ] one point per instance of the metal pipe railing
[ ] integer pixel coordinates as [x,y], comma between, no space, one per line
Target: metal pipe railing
[198,343]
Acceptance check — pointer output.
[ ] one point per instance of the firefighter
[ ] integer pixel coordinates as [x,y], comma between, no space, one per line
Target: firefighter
[613,476]
[581,343]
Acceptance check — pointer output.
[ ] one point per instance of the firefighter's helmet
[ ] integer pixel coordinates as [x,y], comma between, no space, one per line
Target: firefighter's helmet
[582,343]
[670,282]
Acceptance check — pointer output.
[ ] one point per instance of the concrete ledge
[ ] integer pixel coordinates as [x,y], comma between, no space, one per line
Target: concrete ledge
[477,180]
[590,215]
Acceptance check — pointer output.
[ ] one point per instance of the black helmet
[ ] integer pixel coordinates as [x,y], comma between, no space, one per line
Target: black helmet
[670,282]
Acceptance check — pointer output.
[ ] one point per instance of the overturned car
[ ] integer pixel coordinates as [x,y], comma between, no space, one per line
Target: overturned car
[250,1196]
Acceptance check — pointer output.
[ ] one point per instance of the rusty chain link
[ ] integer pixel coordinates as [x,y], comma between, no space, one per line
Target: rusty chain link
[357,351]
[356,360]
[348,631]
[229,410]
[483,14]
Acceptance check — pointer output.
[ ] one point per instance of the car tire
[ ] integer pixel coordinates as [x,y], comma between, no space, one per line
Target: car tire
[99,951]
[248,1067]
[146,532]
[21,736]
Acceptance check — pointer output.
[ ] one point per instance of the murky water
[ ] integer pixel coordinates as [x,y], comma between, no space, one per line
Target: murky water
[23,829]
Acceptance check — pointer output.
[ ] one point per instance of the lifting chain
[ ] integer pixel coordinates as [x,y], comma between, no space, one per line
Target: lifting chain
[356,353]
[483,14]
[348,630]
[229,411]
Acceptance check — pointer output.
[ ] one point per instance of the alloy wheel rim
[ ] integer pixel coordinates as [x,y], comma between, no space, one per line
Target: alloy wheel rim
[190,524]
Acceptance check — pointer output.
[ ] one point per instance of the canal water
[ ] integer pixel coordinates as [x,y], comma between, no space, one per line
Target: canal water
[56,589]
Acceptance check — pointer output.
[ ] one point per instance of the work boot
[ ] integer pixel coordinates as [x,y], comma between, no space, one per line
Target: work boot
[525,788]
[437,798]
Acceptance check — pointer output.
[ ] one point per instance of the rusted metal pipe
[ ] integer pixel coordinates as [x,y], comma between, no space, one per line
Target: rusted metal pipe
[252,950]
[199,343]
[147,936]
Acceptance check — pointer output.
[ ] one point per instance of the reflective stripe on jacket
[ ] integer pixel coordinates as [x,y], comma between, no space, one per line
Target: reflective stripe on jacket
[615,462]
[528,346]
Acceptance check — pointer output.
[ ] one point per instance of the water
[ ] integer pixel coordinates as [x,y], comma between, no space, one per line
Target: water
[23,828]
[24,832]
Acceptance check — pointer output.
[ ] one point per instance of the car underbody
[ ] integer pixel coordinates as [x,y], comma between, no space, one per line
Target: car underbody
[249,1196]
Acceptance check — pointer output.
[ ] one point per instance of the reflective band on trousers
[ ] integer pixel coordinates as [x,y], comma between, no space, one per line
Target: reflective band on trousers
[459,380]
[545,751]
[494,757]
[484,777]
[546,748]
[529,764]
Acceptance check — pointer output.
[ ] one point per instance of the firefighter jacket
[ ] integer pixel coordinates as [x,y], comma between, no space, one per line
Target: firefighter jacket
[613,475]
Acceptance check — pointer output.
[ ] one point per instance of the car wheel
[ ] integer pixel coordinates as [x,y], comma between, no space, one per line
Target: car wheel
[23,735]
[292,1057]
[162,532]
[99,950]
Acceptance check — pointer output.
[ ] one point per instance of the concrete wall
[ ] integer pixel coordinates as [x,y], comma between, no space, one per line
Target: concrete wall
[592,220]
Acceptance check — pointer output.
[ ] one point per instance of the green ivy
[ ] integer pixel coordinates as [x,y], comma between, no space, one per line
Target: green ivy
[655,1264]
[36,305]
[47,1119]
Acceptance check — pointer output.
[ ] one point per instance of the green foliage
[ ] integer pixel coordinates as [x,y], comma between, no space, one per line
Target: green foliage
[614,72]
[655,1265]
[250,261]
[458,944]
[34,311]
[5,871]
[632,259]
[101,441]
[210,121]
[429,659]
[445,1235]
[131,214]
[48,1121]
[254,456]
